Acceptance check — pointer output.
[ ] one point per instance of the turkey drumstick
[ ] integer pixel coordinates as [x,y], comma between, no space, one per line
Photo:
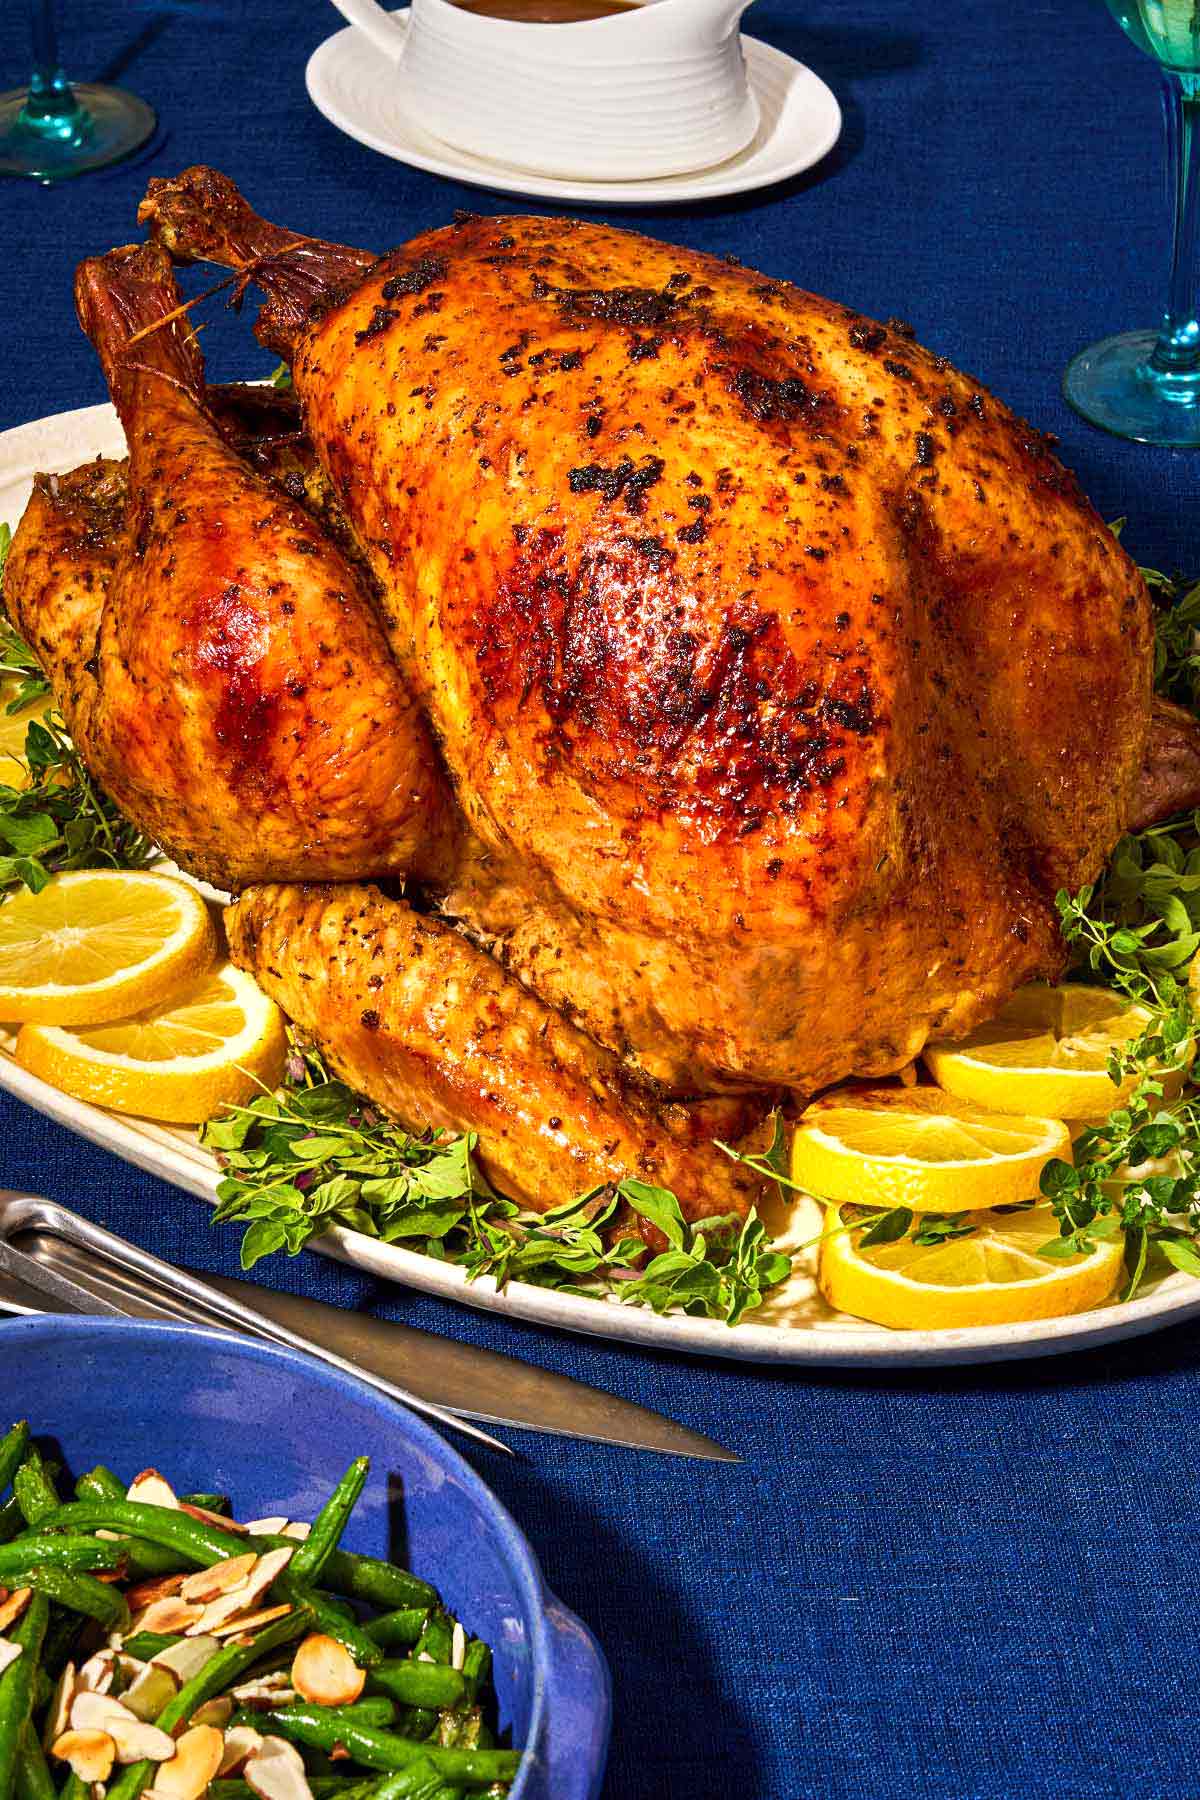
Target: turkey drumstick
[218,662]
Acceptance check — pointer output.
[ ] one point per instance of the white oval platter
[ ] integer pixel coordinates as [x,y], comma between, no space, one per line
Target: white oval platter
[794,1327]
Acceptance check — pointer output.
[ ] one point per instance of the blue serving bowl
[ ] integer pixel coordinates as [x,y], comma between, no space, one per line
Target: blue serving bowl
[274,1431]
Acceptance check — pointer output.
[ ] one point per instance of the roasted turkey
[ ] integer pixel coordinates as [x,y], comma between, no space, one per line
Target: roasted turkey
[720,684]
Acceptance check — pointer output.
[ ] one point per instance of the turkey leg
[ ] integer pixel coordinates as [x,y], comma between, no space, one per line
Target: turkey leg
[237,697]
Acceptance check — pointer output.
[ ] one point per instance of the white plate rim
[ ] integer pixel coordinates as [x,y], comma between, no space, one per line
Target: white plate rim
[63,440]
[745,173]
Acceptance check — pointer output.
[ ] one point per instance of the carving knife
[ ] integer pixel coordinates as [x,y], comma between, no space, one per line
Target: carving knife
[439,1372]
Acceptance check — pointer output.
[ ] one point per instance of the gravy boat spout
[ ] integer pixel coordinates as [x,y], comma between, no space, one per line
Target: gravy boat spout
[658,88]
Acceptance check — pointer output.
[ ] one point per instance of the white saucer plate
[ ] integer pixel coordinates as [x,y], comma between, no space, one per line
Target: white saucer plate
[353,86]
[796,1326]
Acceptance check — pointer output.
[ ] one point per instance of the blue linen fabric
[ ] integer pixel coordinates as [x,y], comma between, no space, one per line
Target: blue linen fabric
[965,1585]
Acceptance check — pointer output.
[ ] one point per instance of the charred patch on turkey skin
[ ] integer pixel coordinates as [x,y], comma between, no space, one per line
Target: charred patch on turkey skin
[726,728]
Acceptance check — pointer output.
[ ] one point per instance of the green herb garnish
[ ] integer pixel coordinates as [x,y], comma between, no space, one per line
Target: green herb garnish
[315,1154]
[16,658]
[61,820]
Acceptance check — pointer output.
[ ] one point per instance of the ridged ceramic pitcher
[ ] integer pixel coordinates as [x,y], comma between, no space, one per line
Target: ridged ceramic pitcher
[659,88]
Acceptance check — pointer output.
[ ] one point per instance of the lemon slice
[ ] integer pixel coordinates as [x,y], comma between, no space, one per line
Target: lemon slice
[99,944]
[993,1277]
[921,1148]
[1045,1052]
[14,770]
[220,1040]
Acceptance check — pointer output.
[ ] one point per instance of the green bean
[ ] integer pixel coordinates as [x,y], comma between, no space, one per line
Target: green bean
[419,1683]
[477,1667]
[16,1688]
[80,1593]
[219,1673]
[34,1488]
[385,1750]
[330,1523]
[12,1520]
[217,1503]
[437,1639]
[64,1552]
[33,1777]
[380,1583]
[403,1626]
[13,1448]
[331,1620]
[100,1484]
[323,1787]
[144,1646]
[75,1789]
[199,1542]
[62,1635]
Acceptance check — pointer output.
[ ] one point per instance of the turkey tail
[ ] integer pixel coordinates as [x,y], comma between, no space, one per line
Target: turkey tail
[200,216]
[128,305]
[1170,778]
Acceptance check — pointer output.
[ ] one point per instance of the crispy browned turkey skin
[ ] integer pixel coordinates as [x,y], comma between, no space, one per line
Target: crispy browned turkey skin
[760,677]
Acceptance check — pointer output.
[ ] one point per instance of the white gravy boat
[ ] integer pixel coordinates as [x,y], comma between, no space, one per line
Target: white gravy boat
[660,89]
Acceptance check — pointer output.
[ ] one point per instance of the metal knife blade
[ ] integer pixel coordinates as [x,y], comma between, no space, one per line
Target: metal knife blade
[496,1389]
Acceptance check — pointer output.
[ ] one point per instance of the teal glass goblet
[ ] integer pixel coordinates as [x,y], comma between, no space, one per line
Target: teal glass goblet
[53,129]
[1145,385]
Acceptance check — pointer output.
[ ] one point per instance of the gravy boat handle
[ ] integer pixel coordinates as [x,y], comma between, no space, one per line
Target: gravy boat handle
[375,23]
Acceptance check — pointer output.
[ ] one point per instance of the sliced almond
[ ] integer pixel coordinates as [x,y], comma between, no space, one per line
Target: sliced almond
[150,1489]
[195,1763]
[240,1744]
[265,1570]
[206,1584]
[275,1772]
[12,1606]
[150,1691]
[169,1615]
[186,1658]
[324,1672]
[268,1690]
[297,1529]
[156,1587]
[220,1520]
[58,1715]
[98,1673]
[91,1754]
[458,1646]
[252,1623]
[9,1653]
[267,1527]
[135,1740]
[217,1711]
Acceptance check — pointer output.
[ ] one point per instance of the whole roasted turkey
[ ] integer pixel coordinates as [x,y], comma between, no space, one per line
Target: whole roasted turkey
[719,684]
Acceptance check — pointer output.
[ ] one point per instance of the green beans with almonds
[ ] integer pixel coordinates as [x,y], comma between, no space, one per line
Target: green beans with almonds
[100,1484]
[201,1544]
[385,1750]
[315,1550]
[331,1620]
[80,1593]
[16,1688]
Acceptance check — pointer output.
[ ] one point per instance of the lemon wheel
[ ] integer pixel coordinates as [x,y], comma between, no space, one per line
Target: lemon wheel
[99,944]
[221,1040]
[994,1276]
[1045,1052]
[921,1148]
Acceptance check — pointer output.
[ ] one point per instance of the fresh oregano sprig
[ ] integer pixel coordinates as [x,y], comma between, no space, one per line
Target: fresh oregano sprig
[315,1154]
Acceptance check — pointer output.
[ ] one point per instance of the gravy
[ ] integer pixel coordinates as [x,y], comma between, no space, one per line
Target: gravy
[546,12]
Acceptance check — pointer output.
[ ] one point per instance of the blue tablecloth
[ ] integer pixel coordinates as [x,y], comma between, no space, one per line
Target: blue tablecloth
[976,1584]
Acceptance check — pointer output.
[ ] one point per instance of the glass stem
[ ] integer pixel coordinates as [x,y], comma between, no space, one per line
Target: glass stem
[1178,348]
[50,99]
